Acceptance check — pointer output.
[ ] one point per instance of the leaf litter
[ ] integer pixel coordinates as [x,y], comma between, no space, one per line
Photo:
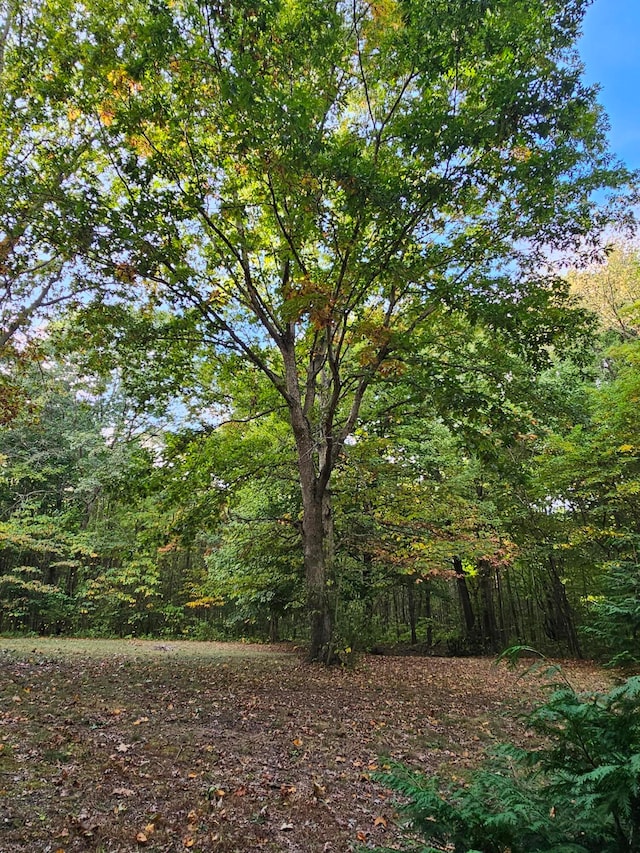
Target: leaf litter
[235,748]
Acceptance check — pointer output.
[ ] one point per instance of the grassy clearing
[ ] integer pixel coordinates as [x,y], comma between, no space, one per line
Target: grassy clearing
[65,648]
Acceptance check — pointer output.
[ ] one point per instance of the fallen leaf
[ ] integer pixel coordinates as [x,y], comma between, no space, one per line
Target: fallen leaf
[140,720]
[188,841]
[319,789]
[122,792]
[123,747]
[142,838]
[380,821]
[297,742]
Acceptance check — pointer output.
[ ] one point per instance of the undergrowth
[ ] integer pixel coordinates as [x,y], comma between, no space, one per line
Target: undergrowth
[576,791]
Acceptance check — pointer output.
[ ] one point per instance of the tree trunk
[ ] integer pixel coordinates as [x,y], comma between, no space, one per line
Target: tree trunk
[486,576]
[411,601]
[318,610]
[559,624]
[314,473]
[465,600]
[428,613]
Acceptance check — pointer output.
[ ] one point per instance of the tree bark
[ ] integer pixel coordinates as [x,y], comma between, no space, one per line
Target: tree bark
[411,601]
[465,599]
[428,613]
[490,641]
[318,610]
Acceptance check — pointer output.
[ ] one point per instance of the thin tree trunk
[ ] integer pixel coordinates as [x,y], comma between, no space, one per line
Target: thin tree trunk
[489,624]
[465,599]
[428,613]
[411,602]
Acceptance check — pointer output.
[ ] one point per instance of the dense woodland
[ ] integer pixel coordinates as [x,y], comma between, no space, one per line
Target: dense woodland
[309,331]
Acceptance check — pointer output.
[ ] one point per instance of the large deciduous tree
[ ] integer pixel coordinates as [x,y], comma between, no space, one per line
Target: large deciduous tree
[312,182]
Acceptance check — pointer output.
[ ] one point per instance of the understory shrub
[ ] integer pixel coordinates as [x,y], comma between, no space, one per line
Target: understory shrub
[576,792]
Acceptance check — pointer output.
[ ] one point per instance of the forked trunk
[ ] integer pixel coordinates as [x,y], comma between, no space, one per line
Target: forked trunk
[315,464]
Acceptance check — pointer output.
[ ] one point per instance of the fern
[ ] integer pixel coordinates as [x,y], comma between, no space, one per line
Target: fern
[580,793]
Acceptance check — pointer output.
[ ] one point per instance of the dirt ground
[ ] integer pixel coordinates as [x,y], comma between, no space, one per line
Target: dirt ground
[171,746]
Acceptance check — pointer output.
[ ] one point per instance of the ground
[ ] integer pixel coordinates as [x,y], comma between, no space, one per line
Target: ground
[169,746]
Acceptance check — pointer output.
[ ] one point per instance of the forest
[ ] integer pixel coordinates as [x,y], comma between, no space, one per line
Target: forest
[319,344]
[319,323]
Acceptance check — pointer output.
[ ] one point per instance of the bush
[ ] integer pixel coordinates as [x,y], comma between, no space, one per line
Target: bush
[578,793]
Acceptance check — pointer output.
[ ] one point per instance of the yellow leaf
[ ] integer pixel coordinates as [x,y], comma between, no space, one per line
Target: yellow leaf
[106,115]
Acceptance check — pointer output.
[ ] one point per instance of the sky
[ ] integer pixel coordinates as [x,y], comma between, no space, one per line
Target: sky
[610,50]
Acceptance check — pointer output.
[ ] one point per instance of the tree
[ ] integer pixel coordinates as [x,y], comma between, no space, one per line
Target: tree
[612,291]
[42,200]
[311,183]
